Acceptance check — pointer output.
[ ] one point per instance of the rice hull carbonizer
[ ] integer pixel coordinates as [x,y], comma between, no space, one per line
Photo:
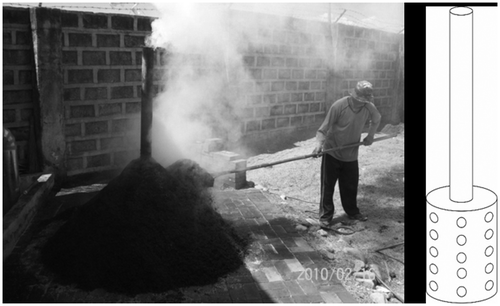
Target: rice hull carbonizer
[461,217]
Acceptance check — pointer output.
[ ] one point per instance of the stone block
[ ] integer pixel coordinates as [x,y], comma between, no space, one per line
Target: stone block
[9,115]
[70,57]
[297,74]
[278,86]
[304,85]
[263,61]
[132,107]
[252,126]
[18,57]
[268,124]
[78,147]
[73,129]
[309,96]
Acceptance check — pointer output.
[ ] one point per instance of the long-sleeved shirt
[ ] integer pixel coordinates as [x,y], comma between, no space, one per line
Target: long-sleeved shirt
[343,125]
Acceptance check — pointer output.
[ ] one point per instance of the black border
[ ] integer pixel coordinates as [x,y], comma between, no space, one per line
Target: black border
[415,127]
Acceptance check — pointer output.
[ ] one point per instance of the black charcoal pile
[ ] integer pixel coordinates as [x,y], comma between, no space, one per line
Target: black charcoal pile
[150,229]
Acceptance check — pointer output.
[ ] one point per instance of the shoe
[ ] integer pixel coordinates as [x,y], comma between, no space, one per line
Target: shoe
[324,223]
[358,217]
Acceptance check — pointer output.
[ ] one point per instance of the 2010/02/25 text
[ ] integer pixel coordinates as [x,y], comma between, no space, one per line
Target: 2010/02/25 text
[324,274]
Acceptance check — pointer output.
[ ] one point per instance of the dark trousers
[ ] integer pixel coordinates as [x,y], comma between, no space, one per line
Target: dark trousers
[347,173]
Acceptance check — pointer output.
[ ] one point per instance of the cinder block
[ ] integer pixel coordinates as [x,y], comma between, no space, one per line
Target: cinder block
[80,76]
[80,40]
[110,109]
[270,74]
[269,99]
[277,61]
[132,107]
[108,40]
[16,16]
[9,115]
[23,38]
[18,57]
[81,111]
[74,164]
[70,57]
[225,156]
[122,92]
[69,20]
[144,24]
[268,124]
[283,97]
[120,57]
[100,160]
[94,58]
[282,122]
[96,127]
[122,23]
[95,21]
[277,110]
[297,74]
[108,75]
[111,142]
[26,114]
[263,61]
[296,121]
[304,85]
[212,145]
[73,129]
[256,73]
[134,41]
[314,107]
[278,86]
[309,96]
[96,93]
[78,147]
[252,126]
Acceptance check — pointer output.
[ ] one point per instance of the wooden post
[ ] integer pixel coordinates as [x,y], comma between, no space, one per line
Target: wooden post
[148,61]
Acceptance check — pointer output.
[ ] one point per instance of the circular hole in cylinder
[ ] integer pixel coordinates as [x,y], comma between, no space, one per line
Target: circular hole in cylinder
[433,251]
[489,268]
[433,217]
[434,235]
[489,251]
[461,273]
[461,257]
[461,222]
[489,234]
[433,285]
[489,285]
[461,291]
[433,268]
[461,240]
[488,217]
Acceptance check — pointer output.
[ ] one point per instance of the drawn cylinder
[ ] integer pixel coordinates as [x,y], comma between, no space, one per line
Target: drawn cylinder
[462,246]
[461,98]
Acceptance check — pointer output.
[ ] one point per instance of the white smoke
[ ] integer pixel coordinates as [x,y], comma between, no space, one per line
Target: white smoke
[203,69]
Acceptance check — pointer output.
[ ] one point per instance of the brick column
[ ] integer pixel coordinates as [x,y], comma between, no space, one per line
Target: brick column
[47,44]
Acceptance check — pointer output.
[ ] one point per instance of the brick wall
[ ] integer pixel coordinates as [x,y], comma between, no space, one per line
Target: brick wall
[18,78]
[102,58]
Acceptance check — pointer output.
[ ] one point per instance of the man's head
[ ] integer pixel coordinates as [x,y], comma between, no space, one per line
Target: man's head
[363,92]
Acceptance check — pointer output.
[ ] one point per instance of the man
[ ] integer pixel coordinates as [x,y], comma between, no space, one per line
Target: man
[343,126]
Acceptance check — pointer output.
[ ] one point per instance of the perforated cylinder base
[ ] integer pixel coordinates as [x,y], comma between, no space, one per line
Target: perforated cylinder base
[462,246]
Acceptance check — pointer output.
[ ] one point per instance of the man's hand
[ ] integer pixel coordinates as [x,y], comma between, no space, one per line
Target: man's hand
[318,150]
[368,140]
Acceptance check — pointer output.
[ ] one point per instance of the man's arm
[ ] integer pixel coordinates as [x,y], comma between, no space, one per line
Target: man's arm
[323,130]
[374,123]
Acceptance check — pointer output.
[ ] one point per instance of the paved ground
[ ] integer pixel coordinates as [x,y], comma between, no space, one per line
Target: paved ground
[281,265]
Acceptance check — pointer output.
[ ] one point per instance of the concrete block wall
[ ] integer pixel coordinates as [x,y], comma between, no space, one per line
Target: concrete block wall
[288,61]
[18,77]
[102,58]
[286,58]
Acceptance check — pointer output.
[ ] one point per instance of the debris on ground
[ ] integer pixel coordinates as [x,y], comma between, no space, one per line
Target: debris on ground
[150,229]
[390,129]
